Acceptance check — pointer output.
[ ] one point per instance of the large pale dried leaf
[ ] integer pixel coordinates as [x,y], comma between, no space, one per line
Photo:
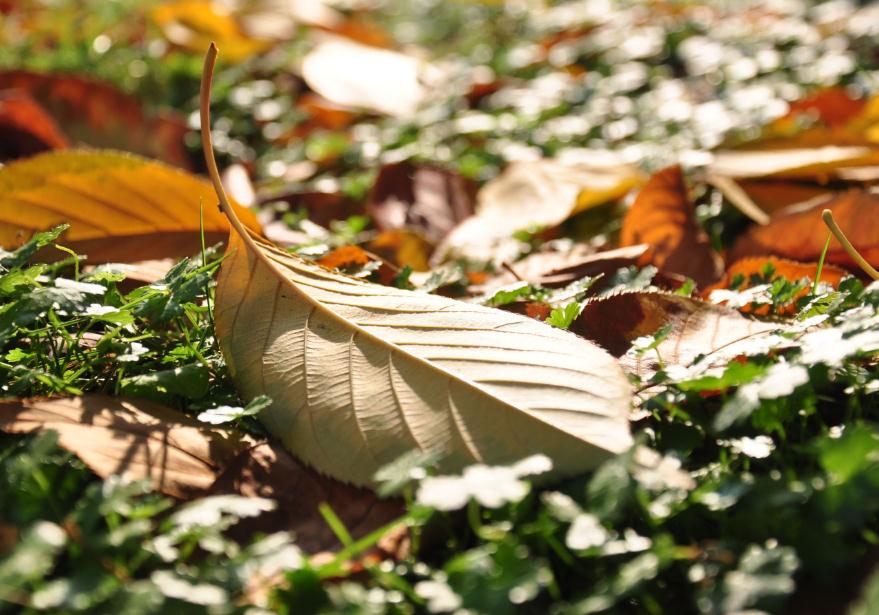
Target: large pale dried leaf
[26,128]
[139,439]
[697,328]
[541,193]
[97,114]
[662,217]
[120,207]
[366,78]
[420,197]
[361,373]
[799,233]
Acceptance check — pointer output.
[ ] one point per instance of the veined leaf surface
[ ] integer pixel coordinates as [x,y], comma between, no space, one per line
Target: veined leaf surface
[360,374]
[120,207]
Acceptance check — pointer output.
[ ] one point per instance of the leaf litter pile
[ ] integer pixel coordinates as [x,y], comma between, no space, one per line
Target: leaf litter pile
[506,307]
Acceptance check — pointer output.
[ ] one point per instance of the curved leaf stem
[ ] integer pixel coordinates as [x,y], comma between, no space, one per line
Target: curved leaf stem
[827,216]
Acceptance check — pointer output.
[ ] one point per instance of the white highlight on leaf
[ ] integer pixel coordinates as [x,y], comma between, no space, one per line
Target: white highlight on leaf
[135,350]
[96,309]
[586,532]
[209,511]
[221,414]
[83,287]
[757,448]
[174,586]
[441,598]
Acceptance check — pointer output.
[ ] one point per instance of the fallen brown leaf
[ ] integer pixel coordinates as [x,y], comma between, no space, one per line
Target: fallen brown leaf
[120,207]
[99,115]
[772,196]
[662,217]
[420,197]
[697,328]
[269,471]
[184,458]
[799,233]
[26,128]
[552,267]
[136,439]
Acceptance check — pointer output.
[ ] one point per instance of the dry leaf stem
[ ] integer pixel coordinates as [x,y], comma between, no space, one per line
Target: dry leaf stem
[827,216]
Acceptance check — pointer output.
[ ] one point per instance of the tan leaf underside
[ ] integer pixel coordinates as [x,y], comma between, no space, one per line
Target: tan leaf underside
[362,373]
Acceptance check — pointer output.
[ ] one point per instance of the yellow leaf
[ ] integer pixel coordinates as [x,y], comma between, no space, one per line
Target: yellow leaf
[120,207]
[193,24]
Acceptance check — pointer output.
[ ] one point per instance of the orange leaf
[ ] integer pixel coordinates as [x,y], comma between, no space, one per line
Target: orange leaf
[120,207]
[345,257]
[403,248]
[662,217]
[800,234]
[753,267]
[99,115]
[774,195]
[26,128]
[833,107]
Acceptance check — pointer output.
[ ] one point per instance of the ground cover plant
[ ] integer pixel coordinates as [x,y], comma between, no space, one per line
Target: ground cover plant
[562,307]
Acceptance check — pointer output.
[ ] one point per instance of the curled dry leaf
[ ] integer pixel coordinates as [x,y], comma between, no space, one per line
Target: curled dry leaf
[799,233]
[142,440]
[554,268]
[428,199]
[540,193]
[662,217]
[99,115]
[26,128]
[120,207]
[809,163]
[366,78]
[697,328]
[361,373]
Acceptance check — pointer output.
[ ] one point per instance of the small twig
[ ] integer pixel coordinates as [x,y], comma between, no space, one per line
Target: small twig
[827,216]
[509,268]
